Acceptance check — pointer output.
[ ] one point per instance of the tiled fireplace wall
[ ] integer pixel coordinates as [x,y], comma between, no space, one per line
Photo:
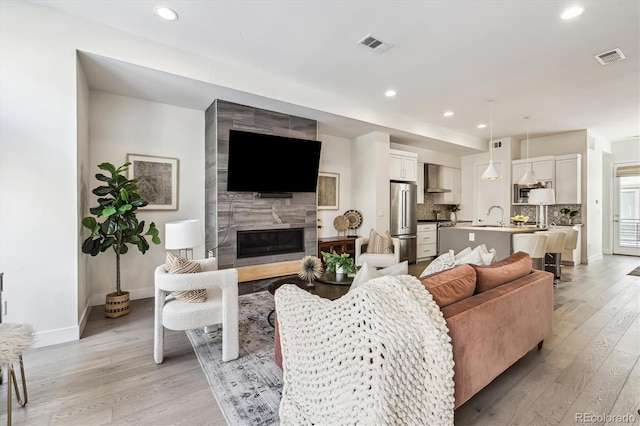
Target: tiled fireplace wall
[228,212]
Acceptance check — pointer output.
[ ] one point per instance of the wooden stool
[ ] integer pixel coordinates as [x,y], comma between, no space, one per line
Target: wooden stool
[14,339]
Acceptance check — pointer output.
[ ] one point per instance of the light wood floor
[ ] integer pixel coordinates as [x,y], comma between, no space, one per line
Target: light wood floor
[589,365]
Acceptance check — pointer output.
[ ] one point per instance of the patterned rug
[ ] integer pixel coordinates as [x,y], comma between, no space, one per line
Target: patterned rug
[635,272]
[249,388]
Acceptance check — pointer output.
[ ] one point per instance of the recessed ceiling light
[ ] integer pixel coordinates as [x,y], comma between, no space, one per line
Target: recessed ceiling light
[166,13]
[448,113]
[481,126]
[390,93]
[572,12]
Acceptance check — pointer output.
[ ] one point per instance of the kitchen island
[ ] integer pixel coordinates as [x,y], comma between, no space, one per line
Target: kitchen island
[457,238]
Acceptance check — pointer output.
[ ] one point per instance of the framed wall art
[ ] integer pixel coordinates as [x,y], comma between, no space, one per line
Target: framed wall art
[328,191]
[157,180]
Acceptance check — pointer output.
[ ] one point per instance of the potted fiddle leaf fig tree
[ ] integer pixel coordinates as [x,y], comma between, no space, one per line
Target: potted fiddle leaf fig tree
[116,226]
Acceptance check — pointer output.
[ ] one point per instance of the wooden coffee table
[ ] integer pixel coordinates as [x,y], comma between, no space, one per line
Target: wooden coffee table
[327,286]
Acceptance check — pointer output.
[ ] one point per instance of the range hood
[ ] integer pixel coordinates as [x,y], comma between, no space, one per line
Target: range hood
[432,180]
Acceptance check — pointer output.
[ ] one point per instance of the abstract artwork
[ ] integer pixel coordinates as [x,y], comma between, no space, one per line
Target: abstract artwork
[157,180]
[328,190]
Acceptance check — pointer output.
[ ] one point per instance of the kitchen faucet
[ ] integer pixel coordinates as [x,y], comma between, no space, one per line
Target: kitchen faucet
[501,211]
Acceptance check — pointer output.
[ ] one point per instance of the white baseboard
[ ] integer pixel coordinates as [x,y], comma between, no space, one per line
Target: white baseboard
[606,251]
[54,337]
[594,258]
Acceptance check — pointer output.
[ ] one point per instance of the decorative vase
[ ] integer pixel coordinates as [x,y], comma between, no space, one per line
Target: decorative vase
[117,305]
[453,217]
[339,271]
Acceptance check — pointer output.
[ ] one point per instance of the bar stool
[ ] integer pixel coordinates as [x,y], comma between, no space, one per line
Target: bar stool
[535,244]
[553,255]
[14,339]
[570,243]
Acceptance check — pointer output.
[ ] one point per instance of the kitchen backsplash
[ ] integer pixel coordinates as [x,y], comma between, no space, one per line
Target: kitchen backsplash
[426,211]
[554,213]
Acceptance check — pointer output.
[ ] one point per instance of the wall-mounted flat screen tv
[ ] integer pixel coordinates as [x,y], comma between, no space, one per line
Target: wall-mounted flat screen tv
[272,164]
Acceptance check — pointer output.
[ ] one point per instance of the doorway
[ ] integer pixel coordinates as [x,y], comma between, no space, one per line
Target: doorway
[626,209]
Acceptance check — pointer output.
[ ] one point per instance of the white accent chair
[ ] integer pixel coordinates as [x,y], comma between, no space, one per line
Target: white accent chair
[535,244]
[379,260]
[221,306]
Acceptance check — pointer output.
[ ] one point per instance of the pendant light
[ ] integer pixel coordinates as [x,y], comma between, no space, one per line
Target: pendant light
[528,178]
[491,173]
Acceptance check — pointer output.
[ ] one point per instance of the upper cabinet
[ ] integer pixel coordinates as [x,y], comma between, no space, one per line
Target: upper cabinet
[403,165]
[543,168]
[449,178]
[568,182]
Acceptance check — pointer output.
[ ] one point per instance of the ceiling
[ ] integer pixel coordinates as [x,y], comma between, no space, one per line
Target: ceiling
[445,55]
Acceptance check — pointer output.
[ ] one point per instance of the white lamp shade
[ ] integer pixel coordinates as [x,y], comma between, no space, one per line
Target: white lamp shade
[491,173]
[544,196]
[183,234]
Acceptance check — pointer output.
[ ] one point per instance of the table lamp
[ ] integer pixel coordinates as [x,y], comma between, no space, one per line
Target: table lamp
[183,235]
[542,197]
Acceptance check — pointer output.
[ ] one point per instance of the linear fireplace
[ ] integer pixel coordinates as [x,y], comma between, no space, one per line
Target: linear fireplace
[267,242]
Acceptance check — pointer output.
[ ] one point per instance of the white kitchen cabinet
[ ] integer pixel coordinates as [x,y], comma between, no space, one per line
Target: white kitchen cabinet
[543,168]
[420,197]
[403,165]
[449,178]
[427,241]
[568,182]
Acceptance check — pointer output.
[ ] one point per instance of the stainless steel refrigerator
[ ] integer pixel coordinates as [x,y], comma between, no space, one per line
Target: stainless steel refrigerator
[404,222]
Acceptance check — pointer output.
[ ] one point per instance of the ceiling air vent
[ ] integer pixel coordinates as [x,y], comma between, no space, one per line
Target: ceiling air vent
[374,43]
[610,57]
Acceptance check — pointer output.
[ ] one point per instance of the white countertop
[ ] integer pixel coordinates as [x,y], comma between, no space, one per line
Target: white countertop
[513,229]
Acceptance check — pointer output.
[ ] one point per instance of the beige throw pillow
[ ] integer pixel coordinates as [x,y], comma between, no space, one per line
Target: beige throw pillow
[179,265]
[379,243]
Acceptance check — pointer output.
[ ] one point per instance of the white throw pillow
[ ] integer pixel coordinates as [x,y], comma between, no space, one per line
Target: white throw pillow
[478,256]
[368,272]
[440,263]
[473,257]
[463,253]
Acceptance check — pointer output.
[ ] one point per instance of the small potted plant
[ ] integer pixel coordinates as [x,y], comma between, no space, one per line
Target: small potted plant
[338,263]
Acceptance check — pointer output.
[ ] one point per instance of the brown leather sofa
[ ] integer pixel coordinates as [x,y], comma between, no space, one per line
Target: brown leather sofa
[495,314]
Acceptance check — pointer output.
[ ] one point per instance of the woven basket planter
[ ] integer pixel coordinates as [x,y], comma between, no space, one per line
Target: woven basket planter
[117,305]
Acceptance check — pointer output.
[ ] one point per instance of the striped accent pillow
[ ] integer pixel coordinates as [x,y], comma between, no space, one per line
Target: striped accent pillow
[379,243]
[180,265]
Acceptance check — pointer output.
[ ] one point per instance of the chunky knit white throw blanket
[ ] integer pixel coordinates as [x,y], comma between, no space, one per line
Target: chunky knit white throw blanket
[380,354]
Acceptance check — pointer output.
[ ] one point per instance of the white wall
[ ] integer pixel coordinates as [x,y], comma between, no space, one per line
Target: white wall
[625,151]
[83,100]
[469,192]
[39,174]
[370,181]
[119,126]
[335,157]
[430,156]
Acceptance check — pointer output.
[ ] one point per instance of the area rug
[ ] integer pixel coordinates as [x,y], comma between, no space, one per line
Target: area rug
[635,272]
[249,388]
